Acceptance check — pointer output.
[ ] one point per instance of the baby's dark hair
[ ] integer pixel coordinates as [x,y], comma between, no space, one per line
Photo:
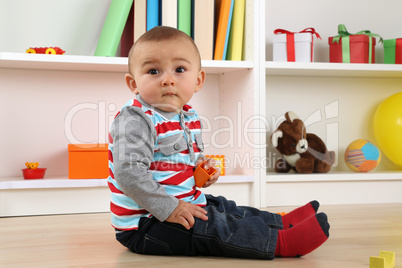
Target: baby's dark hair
[162,33]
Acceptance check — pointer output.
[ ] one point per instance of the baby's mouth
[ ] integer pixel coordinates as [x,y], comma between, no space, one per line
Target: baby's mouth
[169,94]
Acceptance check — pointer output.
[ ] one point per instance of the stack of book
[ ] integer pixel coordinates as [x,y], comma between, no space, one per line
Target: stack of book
[218,27]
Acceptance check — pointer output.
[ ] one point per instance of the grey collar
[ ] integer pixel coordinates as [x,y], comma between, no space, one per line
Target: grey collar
[167,115]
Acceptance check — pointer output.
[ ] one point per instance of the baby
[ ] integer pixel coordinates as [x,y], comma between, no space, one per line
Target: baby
[155,143]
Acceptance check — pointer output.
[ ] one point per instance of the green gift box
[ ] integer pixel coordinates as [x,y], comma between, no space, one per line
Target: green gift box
[393,51]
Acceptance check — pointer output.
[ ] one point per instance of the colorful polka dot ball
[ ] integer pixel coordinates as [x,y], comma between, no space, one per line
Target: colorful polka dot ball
[362,156]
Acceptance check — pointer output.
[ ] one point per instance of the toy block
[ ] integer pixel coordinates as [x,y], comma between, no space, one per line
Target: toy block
[377,262]
[201,174]
[389,257]
[386,259]
[220,159]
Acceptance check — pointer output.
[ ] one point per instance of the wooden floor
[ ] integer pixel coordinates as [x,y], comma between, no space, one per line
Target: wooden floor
[87,240]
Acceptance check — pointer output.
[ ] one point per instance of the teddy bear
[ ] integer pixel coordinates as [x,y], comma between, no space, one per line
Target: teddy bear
[32,165]
[302,152]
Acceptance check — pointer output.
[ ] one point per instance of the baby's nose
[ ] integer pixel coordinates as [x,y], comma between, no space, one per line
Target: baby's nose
[168,80]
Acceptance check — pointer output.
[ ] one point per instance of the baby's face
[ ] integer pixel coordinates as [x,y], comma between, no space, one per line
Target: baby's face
[166,74]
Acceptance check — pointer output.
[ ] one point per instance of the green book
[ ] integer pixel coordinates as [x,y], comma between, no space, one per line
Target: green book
[184,16]
[113,28]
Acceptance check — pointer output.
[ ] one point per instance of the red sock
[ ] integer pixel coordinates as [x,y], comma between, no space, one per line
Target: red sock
[300,214]
[304,237]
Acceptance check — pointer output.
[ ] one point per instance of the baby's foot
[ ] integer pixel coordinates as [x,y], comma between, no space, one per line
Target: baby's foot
[299,214]
[303,237]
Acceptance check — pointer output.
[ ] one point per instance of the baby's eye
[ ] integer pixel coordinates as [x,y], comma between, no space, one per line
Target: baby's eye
[153,71]
[180,70]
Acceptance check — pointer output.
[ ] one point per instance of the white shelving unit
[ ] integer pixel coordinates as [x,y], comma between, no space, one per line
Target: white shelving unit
[72,98]
[338,100]
[49,101]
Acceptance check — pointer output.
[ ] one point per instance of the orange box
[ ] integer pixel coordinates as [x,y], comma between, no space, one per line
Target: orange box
[88,161]
[201,175]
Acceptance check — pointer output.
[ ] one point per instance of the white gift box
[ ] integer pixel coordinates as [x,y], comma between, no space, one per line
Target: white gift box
[303,47]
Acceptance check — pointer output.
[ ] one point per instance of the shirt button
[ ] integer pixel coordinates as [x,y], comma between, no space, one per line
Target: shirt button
[176,146]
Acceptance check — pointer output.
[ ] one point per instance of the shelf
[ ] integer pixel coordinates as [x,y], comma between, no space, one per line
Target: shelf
[226,66]
[62,62]
[322,69]
[97,64]
[52,182]
[334,177]
[235,179]
[63,182]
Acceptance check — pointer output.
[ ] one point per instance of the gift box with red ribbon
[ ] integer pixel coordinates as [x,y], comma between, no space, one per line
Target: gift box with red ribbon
[393,51]
[294,46]
[352,48]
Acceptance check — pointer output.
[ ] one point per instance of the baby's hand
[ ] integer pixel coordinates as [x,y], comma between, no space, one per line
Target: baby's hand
[184,214]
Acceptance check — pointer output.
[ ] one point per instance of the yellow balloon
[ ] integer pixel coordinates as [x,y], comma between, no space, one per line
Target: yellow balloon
[388,127]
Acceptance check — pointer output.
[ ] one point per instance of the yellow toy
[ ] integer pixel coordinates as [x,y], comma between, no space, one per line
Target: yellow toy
[220,162]
[45,50]
[385,260]
[388,127]
[32,165]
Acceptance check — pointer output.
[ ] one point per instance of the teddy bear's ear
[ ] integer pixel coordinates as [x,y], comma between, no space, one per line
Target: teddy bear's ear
[275,136]
[290,116]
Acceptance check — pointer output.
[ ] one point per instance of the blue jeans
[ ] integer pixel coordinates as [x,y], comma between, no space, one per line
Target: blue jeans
[230,231]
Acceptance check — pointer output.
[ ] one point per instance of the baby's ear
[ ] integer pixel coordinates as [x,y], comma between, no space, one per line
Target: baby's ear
[132,85]
[200,80]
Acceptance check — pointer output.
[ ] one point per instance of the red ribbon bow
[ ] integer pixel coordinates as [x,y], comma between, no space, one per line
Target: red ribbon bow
[398,54]
[290,41]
